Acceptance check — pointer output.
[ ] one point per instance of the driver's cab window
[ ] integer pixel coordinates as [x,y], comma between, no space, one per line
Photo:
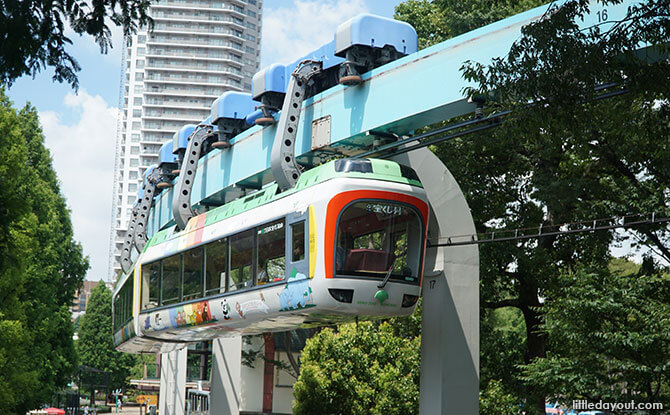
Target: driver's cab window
[375,238]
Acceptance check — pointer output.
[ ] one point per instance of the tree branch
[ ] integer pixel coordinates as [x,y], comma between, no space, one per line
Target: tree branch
[502,303]
[611,157]
[289,354]
[659,244]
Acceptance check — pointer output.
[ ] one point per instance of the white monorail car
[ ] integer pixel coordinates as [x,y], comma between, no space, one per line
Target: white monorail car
[347,242]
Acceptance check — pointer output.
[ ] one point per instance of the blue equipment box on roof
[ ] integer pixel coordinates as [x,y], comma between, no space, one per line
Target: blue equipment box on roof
[166,155]
[376,32]
[362,30]
[232,104]
[180,138]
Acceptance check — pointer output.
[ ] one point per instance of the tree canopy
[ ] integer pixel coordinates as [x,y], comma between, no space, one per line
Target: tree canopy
[607,328]
[96,344]
[359,369]
[34,34]
[565,154]
[41,266]
[587,138]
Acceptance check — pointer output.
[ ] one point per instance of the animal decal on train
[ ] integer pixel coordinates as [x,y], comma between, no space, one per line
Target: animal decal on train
[128,332]
[181,316]
[191,314]
[156,324]
[297,293]
[225,309]
[252,306]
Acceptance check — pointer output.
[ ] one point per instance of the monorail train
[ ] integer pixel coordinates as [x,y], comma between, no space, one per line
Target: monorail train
[346,242]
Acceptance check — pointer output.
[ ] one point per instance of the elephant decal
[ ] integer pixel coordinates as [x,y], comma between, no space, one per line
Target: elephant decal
[296,293]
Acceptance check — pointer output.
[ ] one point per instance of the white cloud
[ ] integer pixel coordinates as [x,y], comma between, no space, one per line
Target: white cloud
[290,32]
[83,157]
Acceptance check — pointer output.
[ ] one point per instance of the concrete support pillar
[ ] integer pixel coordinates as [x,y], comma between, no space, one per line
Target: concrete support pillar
[450,327]
[226,367]
[172,398]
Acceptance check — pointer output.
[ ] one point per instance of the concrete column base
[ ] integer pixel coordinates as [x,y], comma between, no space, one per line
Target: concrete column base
[172,398]
[226,368]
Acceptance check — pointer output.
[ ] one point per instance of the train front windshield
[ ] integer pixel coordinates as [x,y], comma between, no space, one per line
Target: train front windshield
[378,237]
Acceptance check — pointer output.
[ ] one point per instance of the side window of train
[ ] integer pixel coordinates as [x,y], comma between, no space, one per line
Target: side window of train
[123,303]
[192,287]
[128,298]
[271,252]
[298,241]
[151,279]
[297,249]
[216,266]
[241,259]
[171,280]
[117,312]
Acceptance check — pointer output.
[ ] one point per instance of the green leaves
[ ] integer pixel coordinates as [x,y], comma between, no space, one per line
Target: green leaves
[426,18]
[96,344]
[360,369]
[32,33]
[607,329]
[565,154]
[40,267]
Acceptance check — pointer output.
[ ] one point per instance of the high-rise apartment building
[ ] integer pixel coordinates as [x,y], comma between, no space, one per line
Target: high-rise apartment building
[82,295]
[197,50]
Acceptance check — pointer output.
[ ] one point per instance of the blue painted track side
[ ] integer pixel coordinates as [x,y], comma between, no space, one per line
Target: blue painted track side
[412,92]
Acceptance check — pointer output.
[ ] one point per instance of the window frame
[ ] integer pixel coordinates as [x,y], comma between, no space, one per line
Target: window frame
[305,240]
[202,272]
[122,304]
[422,232]
[252,265]
[283,221]
[227,270]
[180,278]
[227,291]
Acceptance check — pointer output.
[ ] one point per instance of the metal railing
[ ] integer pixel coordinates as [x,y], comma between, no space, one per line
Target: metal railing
[197,402]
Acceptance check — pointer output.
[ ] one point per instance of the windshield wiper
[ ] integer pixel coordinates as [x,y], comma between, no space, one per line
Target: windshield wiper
[388,274]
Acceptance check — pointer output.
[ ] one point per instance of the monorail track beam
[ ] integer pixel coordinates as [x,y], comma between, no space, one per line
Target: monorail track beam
[396,98]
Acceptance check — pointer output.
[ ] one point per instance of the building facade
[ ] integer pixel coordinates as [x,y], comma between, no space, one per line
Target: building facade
[82,295]
[198,49]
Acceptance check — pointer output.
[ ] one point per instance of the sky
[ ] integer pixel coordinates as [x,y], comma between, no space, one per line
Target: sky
[80,127]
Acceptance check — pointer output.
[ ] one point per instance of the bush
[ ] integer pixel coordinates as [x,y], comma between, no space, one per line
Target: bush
[359,369]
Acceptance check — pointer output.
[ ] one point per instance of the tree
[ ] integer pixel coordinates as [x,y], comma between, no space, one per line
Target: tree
[362,368]
[569,156]
[33,33]
[609,333]
[40,267]
[427,18]
[464,16]
[502,334]
[494,400]
[439,20]
[564,72]
[570,153]
[142,361]
[96,344]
